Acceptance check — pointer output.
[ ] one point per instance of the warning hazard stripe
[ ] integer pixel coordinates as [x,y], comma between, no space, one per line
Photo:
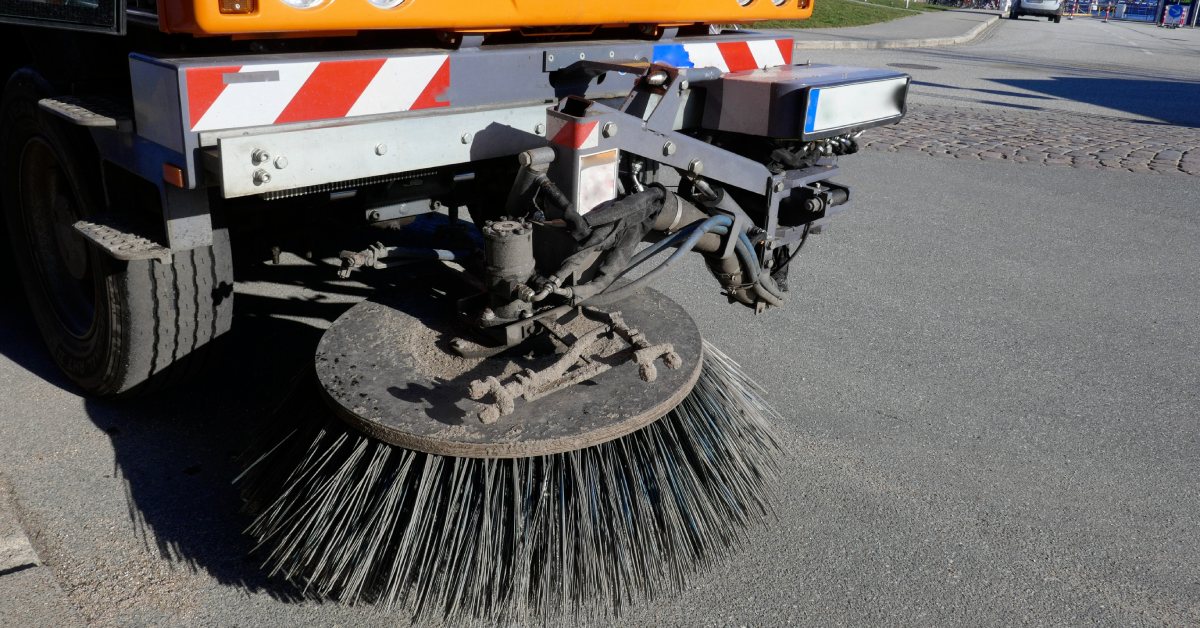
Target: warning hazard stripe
[571,134]
[276,93]
[734,56]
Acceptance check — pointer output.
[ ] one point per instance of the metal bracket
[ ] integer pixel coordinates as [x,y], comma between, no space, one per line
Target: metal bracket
[576,365]
[601,60]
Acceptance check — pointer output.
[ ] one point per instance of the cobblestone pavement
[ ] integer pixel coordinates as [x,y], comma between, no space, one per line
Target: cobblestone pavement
[1051,138]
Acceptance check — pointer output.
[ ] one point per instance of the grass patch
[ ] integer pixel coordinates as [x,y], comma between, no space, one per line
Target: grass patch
[899,4]
[841,13]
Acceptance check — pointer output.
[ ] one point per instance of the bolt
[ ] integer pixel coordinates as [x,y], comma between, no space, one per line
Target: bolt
[609,129]
[669,148]
[466,137]
[612,54]
[281,162]
[779,186]
[582,56]
[695,166]
[259,156]
[683,86]
[550,58]
[539,129]
[374,215]
[487,314]
[381,149]
[261,177]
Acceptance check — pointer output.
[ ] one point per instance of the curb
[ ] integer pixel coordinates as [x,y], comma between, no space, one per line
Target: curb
[16,552]
[929,42]
[29,594]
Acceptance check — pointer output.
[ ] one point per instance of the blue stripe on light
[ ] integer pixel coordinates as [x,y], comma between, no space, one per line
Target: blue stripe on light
[810,117]
[674,55]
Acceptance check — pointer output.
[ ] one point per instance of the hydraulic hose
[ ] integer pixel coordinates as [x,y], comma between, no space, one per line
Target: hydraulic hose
[764,285]
[687,245]
[667,242]
[687,239]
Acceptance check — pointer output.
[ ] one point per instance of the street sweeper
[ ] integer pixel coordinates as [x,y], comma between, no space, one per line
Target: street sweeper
[514,426]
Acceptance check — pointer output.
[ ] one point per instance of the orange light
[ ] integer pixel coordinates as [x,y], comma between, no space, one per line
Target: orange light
[238,7]
[173,175]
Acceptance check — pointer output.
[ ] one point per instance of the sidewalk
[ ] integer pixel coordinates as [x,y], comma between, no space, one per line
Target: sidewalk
[923,30]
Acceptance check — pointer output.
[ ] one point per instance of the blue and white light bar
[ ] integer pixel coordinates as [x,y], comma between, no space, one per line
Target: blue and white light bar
[807,102]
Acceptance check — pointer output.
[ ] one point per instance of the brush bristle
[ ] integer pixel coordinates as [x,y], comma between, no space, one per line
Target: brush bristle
[580,534]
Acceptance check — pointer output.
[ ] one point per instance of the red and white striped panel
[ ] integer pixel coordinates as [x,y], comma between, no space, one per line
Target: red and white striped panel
[572,134]
[276,93]
[727,56]
[737,56]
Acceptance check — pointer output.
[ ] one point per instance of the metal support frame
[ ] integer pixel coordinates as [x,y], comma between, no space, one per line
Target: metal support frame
[248,164]
[481,77]
[493,105]
[644,126]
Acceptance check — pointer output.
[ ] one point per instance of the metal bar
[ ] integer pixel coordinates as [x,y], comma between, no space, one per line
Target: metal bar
[270,162]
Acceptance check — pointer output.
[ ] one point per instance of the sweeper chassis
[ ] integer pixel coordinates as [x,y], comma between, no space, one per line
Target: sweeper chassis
[566,155]
[529,175]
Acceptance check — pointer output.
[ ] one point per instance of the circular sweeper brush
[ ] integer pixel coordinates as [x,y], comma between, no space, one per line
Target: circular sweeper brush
[593,465]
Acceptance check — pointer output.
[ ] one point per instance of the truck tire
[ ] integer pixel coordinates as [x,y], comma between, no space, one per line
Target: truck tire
[113,327]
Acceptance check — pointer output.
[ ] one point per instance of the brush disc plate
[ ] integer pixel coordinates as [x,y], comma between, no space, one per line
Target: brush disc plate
[387,369]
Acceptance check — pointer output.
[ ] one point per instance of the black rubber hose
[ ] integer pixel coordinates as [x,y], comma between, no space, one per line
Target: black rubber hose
[612,296]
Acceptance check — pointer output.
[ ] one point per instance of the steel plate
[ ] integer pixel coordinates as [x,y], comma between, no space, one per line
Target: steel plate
[387,369]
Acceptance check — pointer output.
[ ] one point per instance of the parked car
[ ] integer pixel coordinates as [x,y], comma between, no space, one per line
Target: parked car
[1050,9]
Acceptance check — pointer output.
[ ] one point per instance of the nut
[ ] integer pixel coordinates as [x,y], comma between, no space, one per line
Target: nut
[609,129]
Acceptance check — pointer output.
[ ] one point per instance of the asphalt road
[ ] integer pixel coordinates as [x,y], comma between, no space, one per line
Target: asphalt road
[988,376]
[1126,70]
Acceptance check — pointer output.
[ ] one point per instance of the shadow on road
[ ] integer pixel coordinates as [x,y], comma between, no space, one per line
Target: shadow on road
[993,92]
[1166,100]
[178,452]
